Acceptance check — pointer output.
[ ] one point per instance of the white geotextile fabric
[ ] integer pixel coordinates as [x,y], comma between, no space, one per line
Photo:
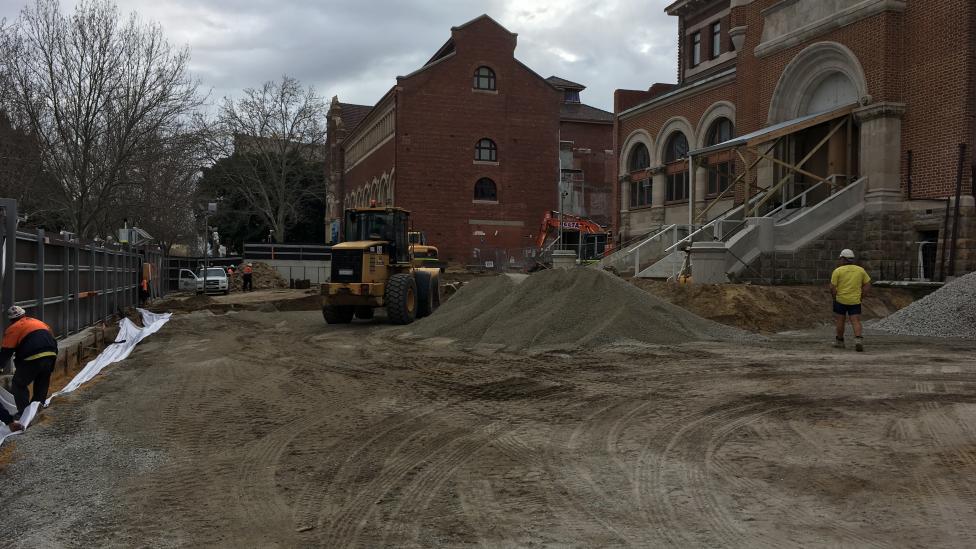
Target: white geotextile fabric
[129,336]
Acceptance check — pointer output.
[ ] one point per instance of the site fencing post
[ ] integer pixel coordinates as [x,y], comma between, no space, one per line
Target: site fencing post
[9,250]
[39,276]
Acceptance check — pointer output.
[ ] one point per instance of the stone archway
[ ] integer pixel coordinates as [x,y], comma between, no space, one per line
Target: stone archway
[822,76]
[720,109]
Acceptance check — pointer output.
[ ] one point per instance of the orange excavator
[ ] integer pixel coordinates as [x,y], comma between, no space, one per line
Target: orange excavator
[591,239]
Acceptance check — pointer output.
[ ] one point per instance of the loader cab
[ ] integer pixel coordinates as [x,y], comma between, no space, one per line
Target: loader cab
[380,224]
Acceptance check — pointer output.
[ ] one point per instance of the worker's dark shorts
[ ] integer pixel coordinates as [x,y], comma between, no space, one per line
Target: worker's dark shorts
[846,310]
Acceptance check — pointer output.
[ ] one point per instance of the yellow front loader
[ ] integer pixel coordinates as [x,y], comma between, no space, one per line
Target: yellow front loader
[373,268]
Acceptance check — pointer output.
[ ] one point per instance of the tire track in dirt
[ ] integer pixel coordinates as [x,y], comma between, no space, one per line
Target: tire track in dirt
[316,502]
[422,489]
[260,502]
[409,449]
[588,501]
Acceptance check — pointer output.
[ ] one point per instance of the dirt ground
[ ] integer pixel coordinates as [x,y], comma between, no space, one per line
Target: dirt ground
[270,429]
[769,309]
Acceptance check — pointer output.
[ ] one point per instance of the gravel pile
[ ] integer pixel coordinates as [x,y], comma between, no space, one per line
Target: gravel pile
[947,312]
[565,309]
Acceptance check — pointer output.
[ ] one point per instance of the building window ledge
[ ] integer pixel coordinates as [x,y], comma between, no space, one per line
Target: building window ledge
[710,63]
[484,202]
[486,162]
[849,16]
[675,202]
[489,92]
[641,208]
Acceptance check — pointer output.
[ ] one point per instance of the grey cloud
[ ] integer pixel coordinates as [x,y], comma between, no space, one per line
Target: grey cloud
[356,48]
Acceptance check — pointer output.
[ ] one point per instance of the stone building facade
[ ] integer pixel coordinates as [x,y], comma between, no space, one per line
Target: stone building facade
[469,143]
[902,76]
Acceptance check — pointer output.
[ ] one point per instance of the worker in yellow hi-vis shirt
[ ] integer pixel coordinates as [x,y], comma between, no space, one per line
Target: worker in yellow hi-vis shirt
[848,284]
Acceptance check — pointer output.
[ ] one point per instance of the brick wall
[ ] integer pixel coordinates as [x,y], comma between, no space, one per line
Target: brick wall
[938,90]
[440,119]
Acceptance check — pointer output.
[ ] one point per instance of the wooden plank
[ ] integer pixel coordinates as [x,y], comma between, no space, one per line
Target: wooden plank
[800,126]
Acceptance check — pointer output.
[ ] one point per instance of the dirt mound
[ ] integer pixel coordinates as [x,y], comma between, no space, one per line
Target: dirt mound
[564,309]
[182,304]
[768,309]
[948,312]
[263,277]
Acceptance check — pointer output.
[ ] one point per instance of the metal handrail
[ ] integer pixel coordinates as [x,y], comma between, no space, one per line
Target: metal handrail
[798,197]
[722,217]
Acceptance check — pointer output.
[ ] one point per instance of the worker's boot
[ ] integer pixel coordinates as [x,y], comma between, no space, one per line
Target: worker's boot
[839,342]
[859,344]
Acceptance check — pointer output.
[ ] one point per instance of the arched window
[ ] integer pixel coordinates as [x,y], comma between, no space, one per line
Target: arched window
[486,151]
[720,164]
[485,190]
[640,184]
[675,157]
[484,79]
[640,159]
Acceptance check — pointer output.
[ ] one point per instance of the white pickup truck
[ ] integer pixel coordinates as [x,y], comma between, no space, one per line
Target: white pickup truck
[217,281]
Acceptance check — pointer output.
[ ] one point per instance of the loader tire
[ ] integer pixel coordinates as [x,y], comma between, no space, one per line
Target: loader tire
[428,293]
[364,313]
[401,298]
[337,314]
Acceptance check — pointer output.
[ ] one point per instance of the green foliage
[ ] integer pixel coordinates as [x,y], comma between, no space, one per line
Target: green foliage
[238,223]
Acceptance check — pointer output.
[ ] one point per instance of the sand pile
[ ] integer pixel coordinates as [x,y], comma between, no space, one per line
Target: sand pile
[565,308]
[263,277]
[948,312]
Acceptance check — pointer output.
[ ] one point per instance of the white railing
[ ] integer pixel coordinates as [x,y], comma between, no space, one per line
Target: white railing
[803,196]
[633,253]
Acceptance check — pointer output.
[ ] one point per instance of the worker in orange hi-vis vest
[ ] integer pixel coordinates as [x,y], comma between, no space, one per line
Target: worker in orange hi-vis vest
[248,283]
[143,292]
[32,343]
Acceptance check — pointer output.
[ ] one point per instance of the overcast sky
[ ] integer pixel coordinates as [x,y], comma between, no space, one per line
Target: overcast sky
[356,48]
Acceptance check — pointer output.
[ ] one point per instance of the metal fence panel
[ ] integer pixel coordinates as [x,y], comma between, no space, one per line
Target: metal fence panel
[70,285]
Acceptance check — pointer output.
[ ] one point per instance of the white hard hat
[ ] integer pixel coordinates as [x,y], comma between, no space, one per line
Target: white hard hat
[15,312]
[847,253]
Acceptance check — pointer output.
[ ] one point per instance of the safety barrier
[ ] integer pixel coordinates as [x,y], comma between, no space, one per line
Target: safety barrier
[67,283]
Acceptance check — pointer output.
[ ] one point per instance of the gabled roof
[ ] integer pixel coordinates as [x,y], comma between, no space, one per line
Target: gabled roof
[352,114]
[564,84]
[583,113]
[479,18]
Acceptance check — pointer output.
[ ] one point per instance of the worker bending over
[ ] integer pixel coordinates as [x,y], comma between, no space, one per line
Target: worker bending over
[33,344]
[848,284]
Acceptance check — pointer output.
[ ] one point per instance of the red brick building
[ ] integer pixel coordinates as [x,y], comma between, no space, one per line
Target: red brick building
[874,96]
[469,143]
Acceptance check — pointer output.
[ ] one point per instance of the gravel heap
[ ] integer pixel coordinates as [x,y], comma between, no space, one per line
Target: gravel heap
[947,312]
[565,309]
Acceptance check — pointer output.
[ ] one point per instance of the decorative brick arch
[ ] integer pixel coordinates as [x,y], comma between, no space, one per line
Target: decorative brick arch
[676,124]
[806,71]
[635,137]
[720,109]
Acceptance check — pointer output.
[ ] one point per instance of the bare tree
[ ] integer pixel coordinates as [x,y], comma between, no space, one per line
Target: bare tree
[162,189]
[273,135]
[96,91]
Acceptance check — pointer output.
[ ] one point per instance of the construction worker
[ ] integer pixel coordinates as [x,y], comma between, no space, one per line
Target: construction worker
[143,292]
[33,344]
[230,278]
[848,284]
[248,272]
